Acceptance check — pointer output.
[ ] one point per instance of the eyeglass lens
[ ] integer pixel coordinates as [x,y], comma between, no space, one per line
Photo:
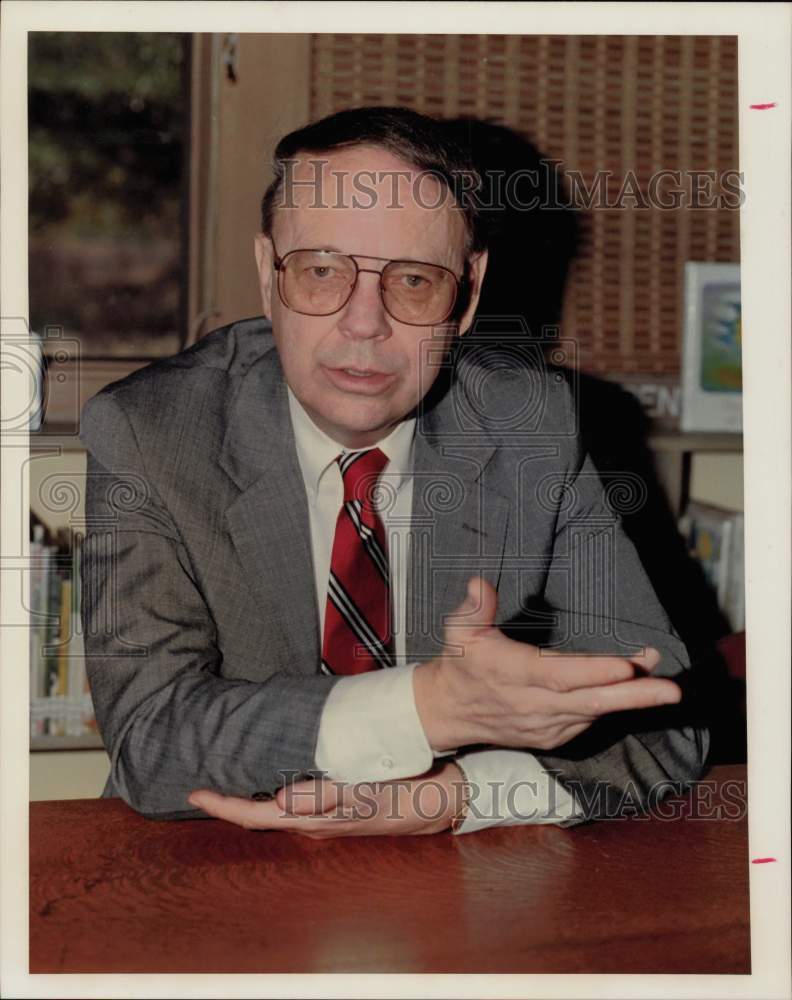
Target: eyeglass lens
[320,283]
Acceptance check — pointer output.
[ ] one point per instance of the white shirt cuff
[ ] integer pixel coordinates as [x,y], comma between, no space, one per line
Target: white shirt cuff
[510,787]
[370,729]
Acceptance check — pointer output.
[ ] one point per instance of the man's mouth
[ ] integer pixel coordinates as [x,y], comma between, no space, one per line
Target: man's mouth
[362,372]
[369,379]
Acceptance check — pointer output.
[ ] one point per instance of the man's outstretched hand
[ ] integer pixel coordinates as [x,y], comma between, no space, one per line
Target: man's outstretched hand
[321,808]
[498,691]
[512,694]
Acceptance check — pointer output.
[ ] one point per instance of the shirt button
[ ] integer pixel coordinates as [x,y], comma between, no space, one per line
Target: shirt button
[387,762]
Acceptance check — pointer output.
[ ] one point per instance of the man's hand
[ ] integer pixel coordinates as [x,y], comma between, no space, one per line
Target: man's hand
[321,808]
[512,694]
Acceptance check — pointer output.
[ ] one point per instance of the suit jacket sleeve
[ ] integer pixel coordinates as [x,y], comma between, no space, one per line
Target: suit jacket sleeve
[601,600]
[170,721]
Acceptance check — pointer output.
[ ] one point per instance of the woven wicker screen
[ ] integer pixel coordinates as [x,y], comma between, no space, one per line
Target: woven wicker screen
[596,103]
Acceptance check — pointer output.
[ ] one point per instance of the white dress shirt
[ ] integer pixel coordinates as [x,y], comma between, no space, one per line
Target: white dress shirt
[369,728]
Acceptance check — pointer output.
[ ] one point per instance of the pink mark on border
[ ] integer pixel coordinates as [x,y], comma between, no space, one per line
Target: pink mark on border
[761,861]
[763,107]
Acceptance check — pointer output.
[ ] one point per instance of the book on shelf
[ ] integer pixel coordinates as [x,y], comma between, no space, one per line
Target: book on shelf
[714,537]
[60,698]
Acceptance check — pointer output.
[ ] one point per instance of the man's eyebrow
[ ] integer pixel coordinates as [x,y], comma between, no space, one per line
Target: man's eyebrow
[330,248]
[326,247]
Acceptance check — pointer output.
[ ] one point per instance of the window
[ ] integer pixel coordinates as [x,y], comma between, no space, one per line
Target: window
[108,151]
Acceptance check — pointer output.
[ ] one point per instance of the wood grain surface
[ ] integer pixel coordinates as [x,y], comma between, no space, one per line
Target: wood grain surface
[111,891]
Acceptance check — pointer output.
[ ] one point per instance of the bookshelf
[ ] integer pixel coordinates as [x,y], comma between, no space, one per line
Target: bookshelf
[702,477]
[61,714]
[48,743]
[674,453]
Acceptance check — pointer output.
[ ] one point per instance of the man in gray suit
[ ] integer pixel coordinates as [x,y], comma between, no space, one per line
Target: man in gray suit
[474,642]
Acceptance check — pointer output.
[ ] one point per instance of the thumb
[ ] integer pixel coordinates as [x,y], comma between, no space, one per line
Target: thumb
[476,613]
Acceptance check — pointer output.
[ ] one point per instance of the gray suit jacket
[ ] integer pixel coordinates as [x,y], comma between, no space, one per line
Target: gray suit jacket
[199,602]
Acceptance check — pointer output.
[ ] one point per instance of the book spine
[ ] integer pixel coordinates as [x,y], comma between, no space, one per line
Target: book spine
[85,719]
[50,634]
[64,636]
[35,631]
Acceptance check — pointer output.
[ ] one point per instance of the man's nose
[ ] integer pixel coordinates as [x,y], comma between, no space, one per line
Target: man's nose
[364,316]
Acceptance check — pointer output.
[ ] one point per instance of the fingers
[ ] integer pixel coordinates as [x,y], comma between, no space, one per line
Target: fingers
[561,671]
[244,812]
[550,720]
[547,719]
[293,805]
[253,815]
[270,815]
[643,692]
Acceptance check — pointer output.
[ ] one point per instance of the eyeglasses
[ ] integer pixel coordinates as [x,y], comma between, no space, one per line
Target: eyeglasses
[321,282]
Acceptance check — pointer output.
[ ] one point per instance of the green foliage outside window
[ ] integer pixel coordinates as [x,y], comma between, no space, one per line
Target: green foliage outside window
[108,121]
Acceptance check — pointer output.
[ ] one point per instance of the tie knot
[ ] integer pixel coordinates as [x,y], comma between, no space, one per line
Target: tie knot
[360,471]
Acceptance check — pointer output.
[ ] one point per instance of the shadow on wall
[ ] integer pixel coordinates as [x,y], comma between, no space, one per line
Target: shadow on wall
[531,251]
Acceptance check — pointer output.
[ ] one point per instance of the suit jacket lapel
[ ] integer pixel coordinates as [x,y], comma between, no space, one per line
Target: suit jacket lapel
[268,521]
[458,526]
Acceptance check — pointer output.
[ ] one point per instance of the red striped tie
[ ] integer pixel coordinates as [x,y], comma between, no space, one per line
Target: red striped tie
[357,629]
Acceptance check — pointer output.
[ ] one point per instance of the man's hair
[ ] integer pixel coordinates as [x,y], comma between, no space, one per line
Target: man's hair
[423,142]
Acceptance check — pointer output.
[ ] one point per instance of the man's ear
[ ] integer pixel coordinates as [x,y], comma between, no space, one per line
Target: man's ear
[262,246]
[476,269]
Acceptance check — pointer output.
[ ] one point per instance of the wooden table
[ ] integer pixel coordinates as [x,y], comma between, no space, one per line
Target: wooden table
[113,892]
